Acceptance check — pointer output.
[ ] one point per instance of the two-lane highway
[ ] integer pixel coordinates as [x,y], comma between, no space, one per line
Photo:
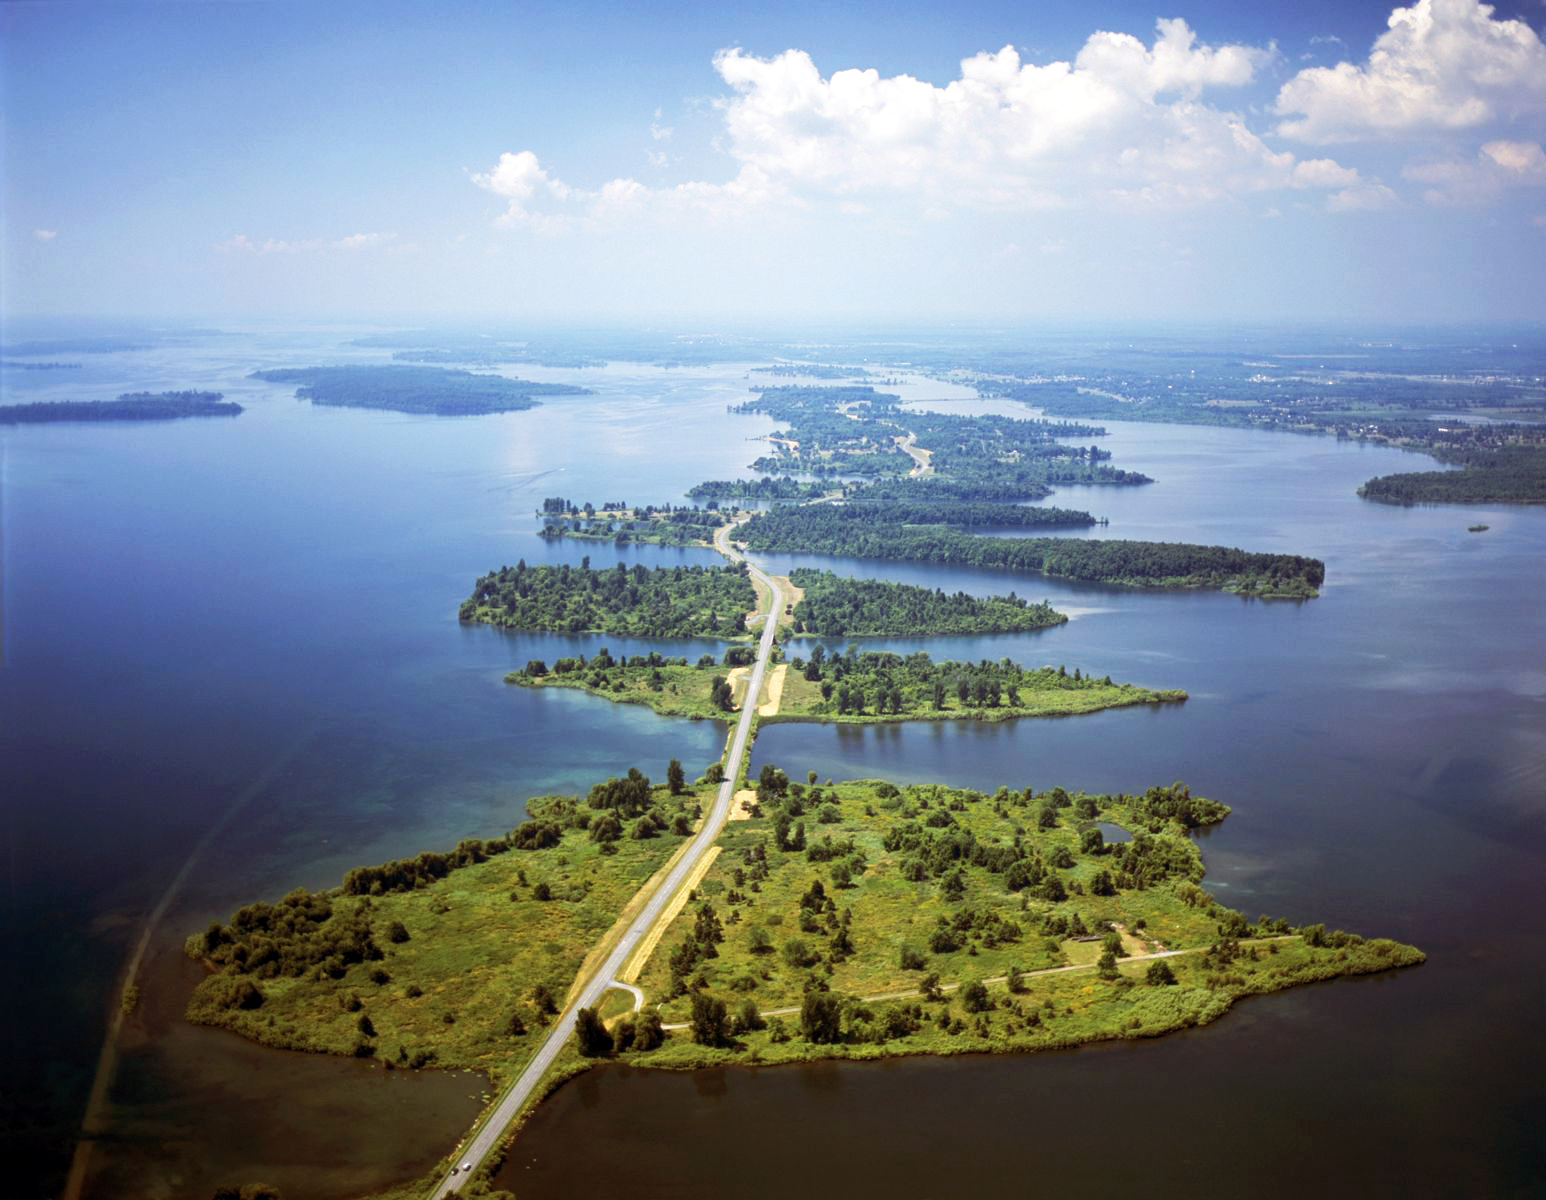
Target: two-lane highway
[514,1100]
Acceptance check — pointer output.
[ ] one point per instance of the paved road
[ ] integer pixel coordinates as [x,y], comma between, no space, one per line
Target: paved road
[511,1103]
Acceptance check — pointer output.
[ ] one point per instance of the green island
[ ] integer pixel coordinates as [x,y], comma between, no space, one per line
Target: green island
[1509,474]
[855,430]
[855,920]
[618,521]
[855,687]
[661,602]
[131,406]
[835,606]
[415,389]
[824,529]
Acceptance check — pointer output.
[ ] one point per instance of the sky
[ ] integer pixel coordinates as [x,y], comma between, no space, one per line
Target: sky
[869,162]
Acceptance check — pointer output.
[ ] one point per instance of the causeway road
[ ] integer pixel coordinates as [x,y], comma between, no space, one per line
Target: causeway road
[489,1134]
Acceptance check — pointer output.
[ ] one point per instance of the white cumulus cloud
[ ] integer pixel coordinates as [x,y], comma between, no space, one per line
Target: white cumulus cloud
[1124,125]
[45,235]
[1441,65]
[1498,166]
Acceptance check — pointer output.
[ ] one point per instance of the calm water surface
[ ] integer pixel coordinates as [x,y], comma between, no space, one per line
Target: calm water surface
[255,620]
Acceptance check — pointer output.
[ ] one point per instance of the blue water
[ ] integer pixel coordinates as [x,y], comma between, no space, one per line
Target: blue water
[261,612]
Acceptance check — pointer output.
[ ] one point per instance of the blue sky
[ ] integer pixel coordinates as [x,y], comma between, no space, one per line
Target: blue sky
[872,162]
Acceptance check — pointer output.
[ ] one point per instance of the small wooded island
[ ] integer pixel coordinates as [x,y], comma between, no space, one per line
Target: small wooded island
[131,406]
[661,602]
[717,602]
[853,688]
[439,391]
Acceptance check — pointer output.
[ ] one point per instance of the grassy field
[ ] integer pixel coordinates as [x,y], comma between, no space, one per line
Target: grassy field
[684,690]
[879,930]
[480,944]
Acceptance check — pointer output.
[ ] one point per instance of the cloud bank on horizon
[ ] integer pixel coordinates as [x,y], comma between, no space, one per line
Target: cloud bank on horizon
[1124,126]
[1379,159]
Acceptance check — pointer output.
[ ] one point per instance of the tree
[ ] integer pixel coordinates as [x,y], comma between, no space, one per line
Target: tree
[758,941]
[365,1026]
[397,932]
[595,1041]
[1159,974]
[648,1033]
[715,773]
[821,1018]
[542,999]
[710,1021]
[974,997]
[748,1018]
[720,694]
[1106,967]
[676,778]
[1093,842]
[797,953]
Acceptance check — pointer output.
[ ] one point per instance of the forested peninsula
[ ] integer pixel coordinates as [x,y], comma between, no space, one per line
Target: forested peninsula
[813,530]
[850,920]
[1486,475]
[659,602]
[433,390]
[131,406]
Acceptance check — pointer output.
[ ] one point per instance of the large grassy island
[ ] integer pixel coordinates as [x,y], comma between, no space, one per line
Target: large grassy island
[854,920]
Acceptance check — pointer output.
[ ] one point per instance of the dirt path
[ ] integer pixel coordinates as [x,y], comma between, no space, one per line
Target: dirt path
[775,691]
[914,993]
[620,926]
[635,966]
[735,677]
[741,805]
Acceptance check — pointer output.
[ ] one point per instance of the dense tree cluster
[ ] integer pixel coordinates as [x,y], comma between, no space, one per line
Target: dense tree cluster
[834,607]
[432,390]
[1504,475]
[643,602]
[406,874]
[1142,564]
[131,406]
[767,488]
[299,934]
